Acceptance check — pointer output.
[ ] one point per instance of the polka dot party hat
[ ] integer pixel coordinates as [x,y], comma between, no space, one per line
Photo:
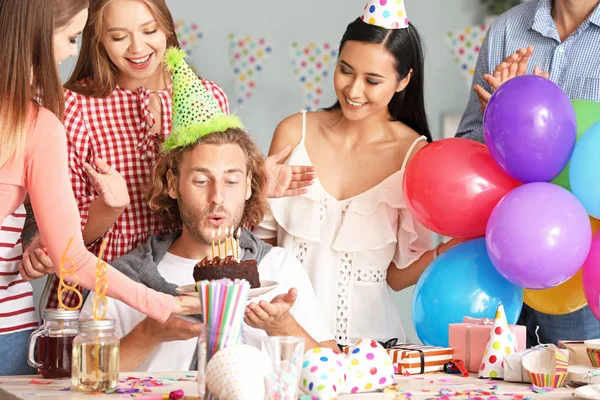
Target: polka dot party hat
[388,14]
[196,113]
[502,342]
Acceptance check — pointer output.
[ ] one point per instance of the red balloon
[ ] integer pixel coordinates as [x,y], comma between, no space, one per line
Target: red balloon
[452,185]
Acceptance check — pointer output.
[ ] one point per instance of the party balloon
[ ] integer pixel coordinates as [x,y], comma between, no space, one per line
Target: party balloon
[565,298]
[451,187]
[538,236]
[585,170]
[462,282]
[591,277]
[595,224]
[530,128]
[587,113]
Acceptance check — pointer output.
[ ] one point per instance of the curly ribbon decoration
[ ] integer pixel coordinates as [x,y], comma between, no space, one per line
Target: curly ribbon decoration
[65,286]
[101,287]
[100,300]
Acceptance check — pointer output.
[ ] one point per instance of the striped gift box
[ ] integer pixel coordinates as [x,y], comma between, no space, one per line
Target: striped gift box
[413,359]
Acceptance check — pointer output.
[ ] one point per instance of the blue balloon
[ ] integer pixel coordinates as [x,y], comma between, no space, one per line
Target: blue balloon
[585,170]
[462,282]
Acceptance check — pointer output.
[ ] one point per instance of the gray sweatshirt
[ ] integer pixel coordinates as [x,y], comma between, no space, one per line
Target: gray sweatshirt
[141,264]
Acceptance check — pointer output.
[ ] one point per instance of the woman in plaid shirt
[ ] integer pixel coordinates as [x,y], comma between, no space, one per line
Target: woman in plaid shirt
[117,113]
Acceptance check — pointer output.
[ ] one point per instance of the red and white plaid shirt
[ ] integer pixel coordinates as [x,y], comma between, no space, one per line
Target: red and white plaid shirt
[114,128]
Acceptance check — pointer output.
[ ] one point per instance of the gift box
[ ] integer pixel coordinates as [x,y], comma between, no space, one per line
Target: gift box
[469,338]
[414,359]
[577,352]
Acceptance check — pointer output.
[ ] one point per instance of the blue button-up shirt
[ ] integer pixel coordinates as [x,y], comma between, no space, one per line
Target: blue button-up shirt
[574,64]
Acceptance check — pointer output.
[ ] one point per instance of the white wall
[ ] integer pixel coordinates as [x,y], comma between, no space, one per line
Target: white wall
[282,22]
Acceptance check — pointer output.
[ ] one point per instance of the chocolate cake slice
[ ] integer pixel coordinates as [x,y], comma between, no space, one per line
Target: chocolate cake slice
[228,267]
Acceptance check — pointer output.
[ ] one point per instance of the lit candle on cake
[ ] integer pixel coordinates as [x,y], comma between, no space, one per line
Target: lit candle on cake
[219,241]
[212,242]
[239,248]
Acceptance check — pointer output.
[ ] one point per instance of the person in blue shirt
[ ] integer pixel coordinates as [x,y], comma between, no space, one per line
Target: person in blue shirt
[560,40]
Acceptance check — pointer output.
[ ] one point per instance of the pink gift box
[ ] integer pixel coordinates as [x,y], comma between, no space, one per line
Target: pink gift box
[469,338]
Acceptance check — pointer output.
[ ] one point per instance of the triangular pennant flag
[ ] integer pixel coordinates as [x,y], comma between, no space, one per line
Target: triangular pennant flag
[248,57]
[502,342]
[314,64]
[464,46]
[188,34]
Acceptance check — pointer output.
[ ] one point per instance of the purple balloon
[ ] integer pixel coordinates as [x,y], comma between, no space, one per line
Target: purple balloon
[530,128]
[538,236]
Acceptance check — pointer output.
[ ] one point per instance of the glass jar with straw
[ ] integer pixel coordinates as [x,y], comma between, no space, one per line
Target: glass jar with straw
[96,348]
[51,345]
[223,308]
[96,356]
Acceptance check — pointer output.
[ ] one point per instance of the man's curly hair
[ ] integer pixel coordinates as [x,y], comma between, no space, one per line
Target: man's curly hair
[161,203]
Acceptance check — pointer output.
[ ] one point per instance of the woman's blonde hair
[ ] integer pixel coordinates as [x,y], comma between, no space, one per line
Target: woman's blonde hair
[93,63]
[28,71]
[256,206]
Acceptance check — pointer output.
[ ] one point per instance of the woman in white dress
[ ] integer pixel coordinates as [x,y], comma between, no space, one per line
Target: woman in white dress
[352,230]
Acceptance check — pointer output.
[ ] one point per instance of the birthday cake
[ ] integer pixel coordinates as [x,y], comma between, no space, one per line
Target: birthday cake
[228,267]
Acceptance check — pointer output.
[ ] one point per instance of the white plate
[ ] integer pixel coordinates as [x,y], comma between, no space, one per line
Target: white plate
[588,392]
[265,287]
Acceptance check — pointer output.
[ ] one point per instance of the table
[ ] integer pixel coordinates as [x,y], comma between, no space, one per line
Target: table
[419,386]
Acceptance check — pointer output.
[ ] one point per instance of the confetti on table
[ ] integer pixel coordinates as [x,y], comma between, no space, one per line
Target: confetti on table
[190,374]
[495,387]
[170,378]
[64,389]
[36,382]
[538,389]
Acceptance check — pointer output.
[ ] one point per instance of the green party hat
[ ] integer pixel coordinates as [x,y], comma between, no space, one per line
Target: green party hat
[196,113]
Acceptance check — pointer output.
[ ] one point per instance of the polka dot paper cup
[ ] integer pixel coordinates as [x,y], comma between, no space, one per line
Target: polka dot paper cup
[546,367]
[592,347]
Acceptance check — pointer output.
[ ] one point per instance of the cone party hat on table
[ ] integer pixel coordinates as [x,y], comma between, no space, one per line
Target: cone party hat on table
[196,113]
[388,14]
[502,342]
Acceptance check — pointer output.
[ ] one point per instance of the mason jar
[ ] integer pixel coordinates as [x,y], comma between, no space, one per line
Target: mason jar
[51,345]
[96,356]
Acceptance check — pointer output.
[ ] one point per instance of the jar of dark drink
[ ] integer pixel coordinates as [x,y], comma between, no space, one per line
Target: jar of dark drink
[96,356]
[51,345]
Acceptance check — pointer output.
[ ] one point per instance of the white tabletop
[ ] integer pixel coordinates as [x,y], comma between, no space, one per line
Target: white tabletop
[420,387]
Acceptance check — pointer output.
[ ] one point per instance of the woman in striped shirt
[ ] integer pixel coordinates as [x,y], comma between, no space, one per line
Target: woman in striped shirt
[32,150]
[118,108]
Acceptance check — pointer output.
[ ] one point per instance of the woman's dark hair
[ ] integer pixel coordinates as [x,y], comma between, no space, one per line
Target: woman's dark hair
[407,106]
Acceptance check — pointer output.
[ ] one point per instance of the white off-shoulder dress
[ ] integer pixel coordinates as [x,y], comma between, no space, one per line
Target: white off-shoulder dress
[346,247]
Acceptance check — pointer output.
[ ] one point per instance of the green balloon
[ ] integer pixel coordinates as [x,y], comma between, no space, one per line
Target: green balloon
[587,113]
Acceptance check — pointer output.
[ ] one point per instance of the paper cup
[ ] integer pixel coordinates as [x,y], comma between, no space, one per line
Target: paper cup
[592,347]
[542,367]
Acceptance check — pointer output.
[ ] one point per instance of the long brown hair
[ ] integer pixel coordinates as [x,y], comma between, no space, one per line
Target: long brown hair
[256,206]
[93,63]
[28,70]
[65,10]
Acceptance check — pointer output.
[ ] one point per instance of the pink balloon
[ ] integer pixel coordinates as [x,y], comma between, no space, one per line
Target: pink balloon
[591,277]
